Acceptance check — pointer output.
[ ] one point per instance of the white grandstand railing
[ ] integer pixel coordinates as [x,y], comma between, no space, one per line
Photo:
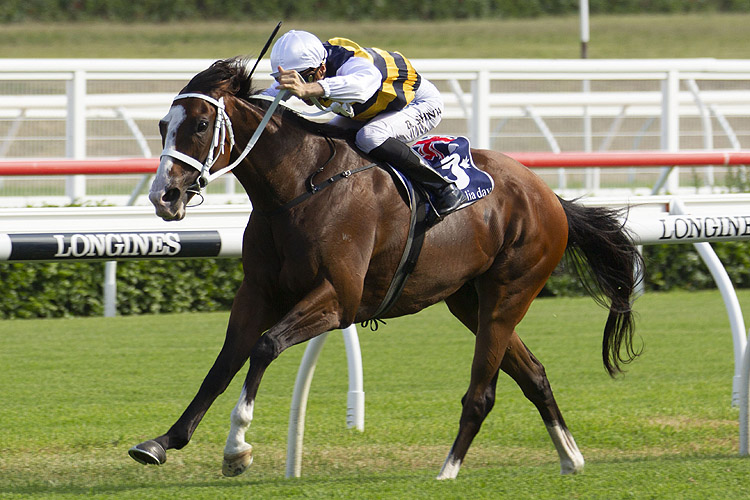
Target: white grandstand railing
[478,102]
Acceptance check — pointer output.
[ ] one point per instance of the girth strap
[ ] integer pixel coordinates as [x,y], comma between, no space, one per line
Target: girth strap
[412,249]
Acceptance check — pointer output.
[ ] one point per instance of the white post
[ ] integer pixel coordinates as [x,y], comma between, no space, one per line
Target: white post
[593,175]
[355,401]
[296,432]
[75,131]
[110,288]
[551,141]
[229,184]
[731,303]
[355,412]
[745,403]
[584,14]
[670,124]
[708,130]
[480,105]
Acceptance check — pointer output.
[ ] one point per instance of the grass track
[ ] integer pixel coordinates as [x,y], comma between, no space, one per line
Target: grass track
[648,36]
[77,393]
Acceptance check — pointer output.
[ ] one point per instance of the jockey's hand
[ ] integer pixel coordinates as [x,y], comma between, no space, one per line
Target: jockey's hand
[292,81]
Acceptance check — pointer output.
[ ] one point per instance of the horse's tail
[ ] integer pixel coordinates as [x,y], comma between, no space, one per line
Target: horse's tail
[609,266]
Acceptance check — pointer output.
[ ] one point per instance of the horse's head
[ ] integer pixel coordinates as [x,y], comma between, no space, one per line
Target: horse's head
[197,136]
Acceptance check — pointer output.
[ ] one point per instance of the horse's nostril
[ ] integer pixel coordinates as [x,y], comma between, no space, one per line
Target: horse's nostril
[171,195]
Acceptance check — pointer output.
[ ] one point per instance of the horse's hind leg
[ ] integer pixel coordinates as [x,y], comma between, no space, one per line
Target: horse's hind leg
[493,326]
[530,376]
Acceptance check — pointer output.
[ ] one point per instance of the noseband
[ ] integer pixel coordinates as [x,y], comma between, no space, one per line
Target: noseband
[222,131]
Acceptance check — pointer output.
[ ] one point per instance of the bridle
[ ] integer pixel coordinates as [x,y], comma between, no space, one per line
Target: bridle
[222,131]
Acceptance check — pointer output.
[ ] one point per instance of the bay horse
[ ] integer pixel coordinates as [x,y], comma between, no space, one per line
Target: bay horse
[322,261]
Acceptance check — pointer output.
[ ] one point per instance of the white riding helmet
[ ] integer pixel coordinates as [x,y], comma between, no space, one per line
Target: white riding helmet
[297,50]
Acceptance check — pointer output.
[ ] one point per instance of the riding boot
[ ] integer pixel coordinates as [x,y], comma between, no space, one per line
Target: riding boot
[447,197]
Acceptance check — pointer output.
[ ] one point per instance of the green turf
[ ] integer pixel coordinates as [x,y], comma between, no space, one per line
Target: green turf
[647,36]
[77,393]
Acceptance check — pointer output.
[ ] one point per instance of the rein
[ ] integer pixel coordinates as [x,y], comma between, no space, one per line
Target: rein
[223,130]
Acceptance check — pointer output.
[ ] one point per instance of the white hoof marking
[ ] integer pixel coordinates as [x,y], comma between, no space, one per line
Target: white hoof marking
[571,459]
[450,468]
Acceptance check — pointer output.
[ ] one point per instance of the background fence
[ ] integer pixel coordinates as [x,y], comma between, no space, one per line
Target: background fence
[64,108]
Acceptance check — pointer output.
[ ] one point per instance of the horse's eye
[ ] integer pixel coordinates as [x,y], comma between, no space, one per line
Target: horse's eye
[202,126]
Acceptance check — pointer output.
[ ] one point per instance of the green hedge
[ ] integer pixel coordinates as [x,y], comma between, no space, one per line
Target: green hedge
[680,266]
[60,289]
[263,10]
[670,267]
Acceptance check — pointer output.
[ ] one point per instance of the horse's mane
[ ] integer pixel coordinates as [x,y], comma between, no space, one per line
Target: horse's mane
[232,76]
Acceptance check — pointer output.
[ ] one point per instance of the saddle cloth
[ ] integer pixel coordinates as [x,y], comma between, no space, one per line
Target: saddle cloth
[451,157]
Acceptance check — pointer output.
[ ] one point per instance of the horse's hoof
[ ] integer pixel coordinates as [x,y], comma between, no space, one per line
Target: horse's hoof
[148,453]
[570,467]
[237,463]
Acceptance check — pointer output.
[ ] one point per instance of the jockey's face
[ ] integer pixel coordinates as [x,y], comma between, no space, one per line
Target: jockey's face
[314,74]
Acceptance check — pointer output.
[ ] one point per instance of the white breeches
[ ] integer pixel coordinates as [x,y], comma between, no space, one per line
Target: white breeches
[414,121]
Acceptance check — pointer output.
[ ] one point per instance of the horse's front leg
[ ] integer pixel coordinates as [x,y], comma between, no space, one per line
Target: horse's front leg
[248,319]
[315,314]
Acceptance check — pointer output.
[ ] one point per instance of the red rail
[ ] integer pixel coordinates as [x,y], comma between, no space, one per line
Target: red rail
[74,167]
[632,158]
[94,166]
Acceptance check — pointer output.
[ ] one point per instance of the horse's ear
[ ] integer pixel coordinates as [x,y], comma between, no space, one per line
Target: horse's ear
[241,82]
[244,85]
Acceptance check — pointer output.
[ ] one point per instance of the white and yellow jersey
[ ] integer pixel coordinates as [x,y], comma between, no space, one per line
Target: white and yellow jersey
[372,80]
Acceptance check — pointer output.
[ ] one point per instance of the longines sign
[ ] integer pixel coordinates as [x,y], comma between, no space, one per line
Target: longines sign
[688,227]
[114,246]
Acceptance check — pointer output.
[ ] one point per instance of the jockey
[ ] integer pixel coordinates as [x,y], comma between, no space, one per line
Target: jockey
[375,91]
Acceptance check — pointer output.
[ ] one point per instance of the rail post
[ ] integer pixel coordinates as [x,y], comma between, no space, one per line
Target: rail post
[745,403]
[480,117]
[670,124]
[75,131]
[731,303]
[355,407]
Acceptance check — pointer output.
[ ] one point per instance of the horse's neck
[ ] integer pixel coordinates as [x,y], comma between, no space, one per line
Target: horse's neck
[285,156]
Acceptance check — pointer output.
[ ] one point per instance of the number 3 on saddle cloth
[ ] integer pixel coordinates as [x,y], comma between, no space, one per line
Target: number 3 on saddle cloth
[451,158]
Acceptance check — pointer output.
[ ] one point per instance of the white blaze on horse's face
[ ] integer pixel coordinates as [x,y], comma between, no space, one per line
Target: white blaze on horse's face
[165,208]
